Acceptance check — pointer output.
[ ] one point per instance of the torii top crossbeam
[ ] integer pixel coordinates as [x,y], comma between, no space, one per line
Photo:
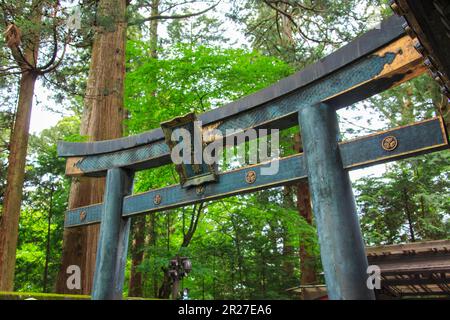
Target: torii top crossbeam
[376,61]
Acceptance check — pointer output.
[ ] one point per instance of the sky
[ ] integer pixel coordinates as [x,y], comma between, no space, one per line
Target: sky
[42,118]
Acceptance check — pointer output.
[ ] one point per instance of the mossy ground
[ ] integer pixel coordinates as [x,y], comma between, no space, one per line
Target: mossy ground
[40,296]
[51,296]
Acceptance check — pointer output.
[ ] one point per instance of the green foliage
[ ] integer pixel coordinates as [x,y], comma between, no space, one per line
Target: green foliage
[237,251]
[203,30]
[5,123]
[409,202]
[237,248]
[42,216]
[188,78]
[301,32]
[414,100]
[191,79]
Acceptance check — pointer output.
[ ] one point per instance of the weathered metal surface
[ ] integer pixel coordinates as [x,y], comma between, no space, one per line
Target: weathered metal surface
[389,66]
[412,140]
[389,30]
[113,240]
[419,138]
[341,244]
[231,183]
[193,171]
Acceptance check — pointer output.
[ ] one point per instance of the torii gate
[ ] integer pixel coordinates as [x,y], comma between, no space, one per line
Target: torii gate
[378,60]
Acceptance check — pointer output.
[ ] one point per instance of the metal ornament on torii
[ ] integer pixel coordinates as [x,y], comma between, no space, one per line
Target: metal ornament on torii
[375,62]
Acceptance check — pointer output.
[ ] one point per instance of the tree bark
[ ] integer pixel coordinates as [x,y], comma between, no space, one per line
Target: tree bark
[9,224]
[18,144]
[154,29]
[307,259]
[288,249]
[102,120]
[409,216]
[151,240]
[137,256]
[48,246]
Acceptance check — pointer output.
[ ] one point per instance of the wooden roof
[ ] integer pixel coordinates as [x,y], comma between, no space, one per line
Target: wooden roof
[412,270]
[428,22]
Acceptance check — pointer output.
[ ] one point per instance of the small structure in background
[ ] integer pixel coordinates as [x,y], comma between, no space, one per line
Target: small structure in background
[420,269]
[412,270]
[179,268]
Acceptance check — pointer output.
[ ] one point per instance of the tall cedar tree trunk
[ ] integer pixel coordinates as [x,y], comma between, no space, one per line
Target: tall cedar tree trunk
[408,213]
[288,248]
[137,256]
[18,144]
[307,259]
[48,245]
[144,235]
[102,119]
[140,241]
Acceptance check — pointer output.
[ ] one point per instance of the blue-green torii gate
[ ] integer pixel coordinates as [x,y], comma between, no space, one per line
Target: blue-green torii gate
[376,61]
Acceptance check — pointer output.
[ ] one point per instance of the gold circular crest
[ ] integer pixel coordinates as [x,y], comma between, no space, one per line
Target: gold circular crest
[157,199]
[389,143]
[250,177]
[82,215]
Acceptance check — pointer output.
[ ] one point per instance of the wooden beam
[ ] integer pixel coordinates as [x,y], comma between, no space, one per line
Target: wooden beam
[417,247]
[415,281]
[423,137]
[71,166]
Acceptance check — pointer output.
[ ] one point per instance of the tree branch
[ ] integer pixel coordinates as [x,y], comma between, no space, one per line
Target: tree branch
[196,212]
[180,16]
